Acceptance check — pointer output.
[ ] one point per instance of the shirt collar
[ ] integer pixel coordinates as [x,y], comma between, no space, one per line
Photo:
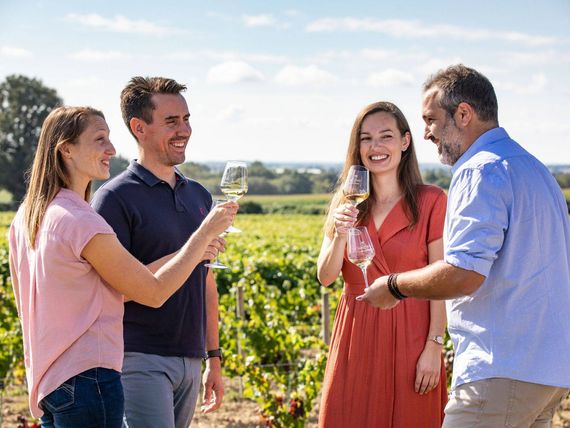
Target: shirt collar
[489,137]
[148,177]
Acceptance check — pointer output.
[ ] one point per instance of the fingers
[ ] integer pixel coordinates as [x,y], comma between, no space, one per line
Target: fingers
[212,399]
[345,218]
[425,382]
[218,245]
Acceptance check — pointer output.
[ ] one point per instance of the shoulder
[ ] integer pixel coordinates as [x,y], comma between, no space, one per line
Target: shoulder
[429,195]
[121,187]
[430,191]
[122,181]
[67,215]
[195,186]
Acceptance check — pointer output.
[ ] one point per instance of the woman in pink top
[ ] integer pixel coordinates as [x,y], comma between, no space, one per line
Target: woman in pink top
[70,273]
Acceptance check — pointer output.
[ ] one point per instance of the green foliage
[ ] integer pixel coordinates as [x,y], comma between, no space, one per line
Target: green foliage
[291,204]
[25,104]
[277,346]
[440,177]
[563,179]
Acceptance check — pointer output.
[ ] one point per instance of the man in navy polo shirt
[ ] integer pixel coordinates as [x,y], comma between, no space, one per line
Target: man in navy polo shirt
[153,209]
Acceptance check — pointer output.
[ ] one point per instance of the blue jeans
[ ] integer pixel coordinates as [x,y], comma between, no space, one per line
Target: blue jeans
[93,398]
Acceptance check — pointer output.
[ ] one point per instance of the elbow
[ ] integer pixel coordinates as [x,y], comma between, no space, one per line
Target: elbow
[471,283]
[324,279]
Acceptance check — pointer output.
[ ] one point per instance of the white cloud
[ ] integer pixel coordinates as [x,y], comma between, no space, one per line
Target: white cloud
[293,75]
[539,58]
[390,77]
[120,24]
[266,20]
[14,52]
[234,72]
[537,83]
[225,56]
[258,20]
[88,55]
[433,65]
[416,29]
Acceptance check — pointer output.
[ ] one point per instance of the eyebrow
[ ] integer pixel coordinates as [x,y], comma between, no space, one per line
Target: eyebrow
[380,132]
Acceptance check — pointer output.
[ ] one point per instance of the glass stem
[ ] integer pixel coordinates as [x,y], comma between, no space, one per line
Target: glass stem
[365,277]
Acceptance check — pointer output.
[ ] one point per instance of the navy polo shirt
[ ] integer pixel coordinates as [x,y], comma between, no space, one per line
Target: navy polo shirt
[152,220]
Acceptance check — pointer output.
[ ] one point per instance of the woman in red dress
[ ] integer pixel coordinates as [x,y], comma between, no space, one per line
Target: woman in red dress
[385,368]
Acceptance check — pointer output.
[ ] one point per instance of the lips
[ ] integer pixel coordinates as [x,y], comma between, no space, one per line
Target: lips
[377,158]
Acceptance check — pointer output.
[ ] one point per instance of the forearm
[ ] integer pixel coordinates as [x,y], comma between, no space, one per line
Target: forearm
[330,259]
[212,329]
[437,318]
[439,281]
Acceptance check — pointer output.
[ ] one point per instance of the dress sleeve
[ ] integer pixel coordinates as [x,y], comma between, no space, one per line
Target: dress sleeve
[437,217]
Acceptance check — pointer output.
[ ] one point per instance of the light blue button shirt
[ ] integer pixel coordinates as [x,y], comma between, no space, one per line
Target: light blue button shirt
[507,220]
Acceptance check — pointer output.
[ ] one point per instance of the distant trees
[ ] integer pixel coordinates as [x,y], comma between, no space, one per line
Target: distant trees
[24,105]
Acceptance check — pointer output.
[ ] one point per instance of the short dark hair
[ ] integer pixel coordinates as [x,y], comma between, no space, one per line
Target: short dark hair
[136,97]
[458,84]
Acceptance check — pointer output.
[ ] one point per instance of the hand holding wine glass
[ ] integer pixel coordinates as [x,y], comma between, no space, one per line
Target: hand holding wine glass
[234,184]
[356,187]
[216,264]
[360,249]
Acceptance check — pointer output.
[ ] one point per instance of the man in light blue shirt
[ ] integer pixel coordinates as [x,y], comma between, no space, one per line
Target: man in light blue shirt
[506,267]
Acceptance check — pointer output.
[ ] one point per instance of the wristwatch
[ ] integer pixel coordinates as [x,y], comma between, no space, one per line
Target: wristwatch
[214,353]
[436,339]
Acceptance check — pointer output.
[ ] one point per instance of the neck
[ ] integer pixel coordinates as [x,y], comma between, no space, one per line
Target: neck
[79,187]
[165,173]
[386,187]
[476,131]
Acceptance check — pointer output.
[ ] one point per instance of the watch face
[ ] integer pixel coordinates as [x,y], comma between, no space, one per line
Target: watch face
[438,339]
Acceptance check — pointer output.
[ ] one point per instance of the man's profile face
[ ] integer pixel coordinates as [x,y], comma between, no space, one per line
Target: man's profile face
[441,129]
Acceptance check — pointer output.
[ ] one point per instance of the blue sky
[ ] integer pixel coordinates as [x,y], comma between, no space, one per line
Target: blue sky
[284,80]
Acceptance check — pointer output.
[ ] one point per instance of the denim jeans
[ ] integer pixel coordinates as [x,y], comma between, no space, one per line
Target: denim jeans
[93,398]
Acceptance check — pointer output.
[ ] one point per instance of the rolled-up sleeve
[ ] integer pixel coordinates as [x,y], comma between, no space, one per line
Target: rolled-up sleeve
[477,217]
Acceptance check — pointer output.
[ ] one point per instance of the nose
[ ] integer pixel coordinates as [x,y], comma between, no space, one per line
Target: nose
[185,129]
[427,133]
[110,150]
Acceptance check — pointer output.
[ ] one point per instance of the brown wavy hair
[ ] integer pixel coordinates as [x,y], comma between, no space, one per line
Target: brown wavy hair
[48,173]
[409,176]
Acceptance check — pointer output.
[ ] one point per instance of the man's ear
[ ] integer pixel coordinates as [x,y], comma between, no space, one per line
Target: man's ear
[464,115]
[137,127]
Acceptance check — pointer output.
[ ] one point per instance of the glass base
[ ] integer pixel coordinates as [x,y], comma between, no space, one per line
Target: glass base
[216,265]
[233,229]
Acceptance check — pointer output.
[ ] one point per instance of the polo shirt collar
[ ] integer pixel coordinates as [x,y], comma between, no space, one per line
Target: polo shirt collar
[489,137]
[148,177]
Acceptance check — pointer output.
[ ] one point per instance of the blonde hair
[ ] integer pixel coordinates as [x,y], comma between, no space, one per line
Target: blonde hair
[48,173]
[409,176]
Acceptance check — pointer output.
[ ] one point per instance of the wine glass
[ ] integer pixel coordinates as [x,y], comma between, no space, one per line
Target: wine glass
[356,187]
[360,249]
[216,264]
[234,184]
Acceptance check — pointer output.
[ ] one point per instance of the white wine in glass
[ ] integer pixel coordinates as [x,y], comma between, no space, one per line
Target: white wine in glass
[360,249]
[356,187]
[234,184]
